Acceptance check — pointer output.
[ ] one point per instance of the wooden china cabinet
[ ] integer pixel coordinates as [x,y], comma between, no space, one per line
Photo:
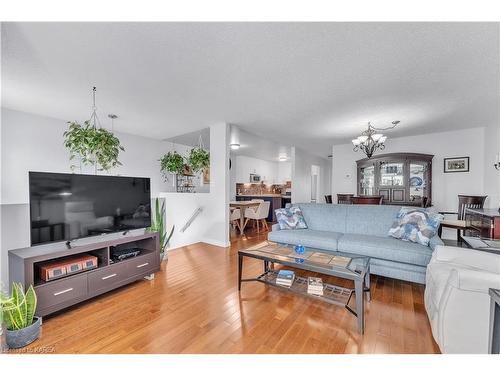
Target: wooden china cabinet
[400,178]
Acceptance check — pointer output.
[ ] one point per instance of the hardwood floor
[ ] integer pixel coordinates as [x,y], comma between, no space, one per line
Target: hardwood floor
[193,306]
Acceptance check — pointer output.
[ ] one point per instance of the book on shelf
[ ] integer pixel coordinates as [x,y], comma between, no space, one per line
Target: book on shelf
[315,286]
[285,278]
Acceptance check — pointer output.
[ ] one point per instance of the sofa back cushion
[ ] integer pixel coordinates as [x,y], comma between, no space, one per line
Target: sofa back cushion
[375,220]
[325,217]
[370,219]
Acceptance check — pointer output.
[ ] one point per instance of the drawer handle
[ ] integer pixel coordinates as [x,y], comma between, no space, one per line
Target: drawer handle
[63,291]
[142,265]
[109,276]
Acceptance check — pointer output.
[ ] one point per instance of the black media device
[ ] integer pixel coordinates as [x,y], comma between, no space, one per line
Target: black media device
[66,206]
[121,254]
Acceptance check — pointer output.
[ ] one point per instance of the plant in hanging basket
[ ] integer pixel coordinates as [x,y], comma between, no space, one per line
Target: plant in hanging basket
[172,162]
[94,146]
[199,159]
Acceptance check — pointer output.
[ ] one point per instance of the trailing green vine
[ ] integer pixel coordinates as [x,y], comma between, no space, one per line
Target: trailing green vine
[199,159]
[172,162]
[95,146]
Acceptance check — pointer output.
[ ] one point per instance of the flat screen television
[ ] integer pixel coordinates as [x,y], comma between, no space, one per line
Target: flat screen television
[66,206]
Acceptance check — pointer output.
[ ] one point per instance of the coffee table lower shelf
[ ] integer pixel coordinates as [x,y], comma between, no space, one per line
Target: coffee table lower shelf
[331,293]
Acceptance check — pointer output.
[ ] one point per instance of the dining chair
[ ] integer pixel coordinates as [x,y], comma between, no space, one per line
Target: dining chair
[368,199]
[328,198]
[234,218]
[259,215]
[344,198]
[464,202]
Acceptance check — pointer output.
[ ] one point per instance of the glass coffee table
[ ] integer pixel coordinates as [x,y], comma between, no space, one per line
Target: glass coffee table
[342,265]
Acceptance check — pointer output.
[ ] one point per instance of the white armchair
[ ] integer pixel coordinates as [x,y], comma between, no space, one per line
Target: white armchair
[456,297]
[259,215]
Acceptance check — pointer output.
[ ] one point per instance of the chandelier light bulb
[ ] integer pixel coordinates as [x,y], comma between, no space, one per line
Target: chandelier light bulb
[356,142]
[377,136]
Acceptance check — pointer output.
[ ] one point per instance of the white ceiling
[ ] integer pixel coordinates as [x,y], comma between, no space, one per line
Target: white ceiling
[307,84]
[258,147]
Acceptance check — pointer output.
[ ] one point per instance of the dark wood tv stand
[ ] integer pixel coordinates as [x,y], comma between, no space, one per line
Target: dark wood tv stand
[61,293]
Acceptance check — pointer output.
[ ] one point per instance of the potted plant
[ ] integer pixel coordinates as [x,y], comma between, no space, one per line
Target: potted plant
[18,314]
[94,146]
[199,159]
[172,162]
[158,225]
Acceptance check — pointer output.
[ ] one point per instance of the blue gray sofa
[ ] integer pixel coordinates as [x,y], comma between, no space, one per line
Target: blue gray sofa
[360,229]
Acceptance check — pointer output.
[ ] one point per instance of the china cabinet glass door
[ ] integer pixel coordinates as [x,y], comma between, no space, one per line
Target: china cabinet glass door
[391,174]
[367,180]
[417,181]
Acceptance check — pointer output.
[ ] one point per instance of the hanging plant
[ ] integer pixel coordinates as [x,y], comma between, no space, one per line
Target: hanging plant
[172,162]
[199,159]
[94,146]
[91,143]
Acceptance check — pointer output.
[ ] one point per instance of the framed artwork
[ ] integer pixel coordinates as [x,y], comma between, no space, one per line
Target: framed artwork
[453,165]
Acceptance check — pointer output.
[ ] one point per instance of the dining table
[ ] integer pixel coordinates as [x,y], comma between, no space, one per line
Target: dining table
[242,206]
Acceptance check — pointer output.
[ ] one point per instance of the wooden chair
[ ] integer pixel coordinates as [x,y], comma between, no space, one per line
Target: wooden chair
[344,198]
[328,199]
[368,199]
[459,224]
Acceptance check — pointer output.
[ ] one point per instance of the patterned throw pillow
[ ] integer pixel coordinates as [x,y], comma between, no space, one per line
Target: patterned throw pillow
[290,218]
[415,225]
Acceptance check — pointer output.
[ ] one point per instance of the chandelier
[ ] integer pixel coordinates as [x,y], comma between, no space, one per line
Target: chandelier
[371,139]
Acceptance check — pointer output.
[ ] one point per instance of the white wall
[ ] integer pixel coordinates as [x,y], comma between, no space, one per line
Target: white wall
[212,225]
[445,186]
[284,171]
[302,162]
[35,143]
[492,176]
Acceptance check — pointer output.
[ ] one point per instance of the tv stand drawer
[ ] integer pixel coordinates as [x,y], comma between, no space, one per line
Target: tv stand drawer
[108,277]
[143,263]
[56,292]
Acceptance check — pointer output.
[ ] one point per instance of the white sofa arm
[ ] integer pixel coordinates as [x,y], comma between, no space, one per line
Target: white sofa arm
[474,280]
[275,227]
[468,257]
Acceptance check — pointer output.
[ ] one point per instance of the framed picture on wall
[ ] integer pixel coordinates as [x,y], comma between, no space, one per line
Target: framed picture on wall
[453,165]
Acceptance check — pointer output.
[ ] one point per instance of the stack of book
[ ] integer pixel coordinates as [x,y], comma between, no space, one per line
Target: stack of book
[285,278]
[315,286]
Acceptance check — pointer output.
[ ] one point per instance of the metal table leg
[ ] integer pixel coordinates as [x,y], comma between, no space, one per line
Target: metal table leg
[240,270]
[360,305]
[367,284]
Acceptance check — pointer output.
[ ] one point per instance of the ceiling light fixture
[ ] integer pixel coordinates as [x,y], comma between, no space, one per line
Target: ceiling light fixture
[234,146]
[371,139]
[282,156]
[112,117]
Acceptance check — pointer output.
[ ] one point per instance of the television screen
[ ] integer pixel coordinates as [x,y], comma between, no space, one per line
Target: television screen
[66,206]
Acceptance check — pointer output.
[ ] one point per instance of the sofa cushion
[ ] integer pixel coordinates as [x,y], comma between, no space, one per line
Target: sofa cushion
[385,248]
[308,237]
[324,217]
[415,225]
[370,219]
[290,218]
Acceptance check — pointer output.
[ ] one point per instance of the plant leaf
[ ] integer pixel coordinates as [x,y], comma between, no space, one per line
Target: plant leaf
[31,301]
